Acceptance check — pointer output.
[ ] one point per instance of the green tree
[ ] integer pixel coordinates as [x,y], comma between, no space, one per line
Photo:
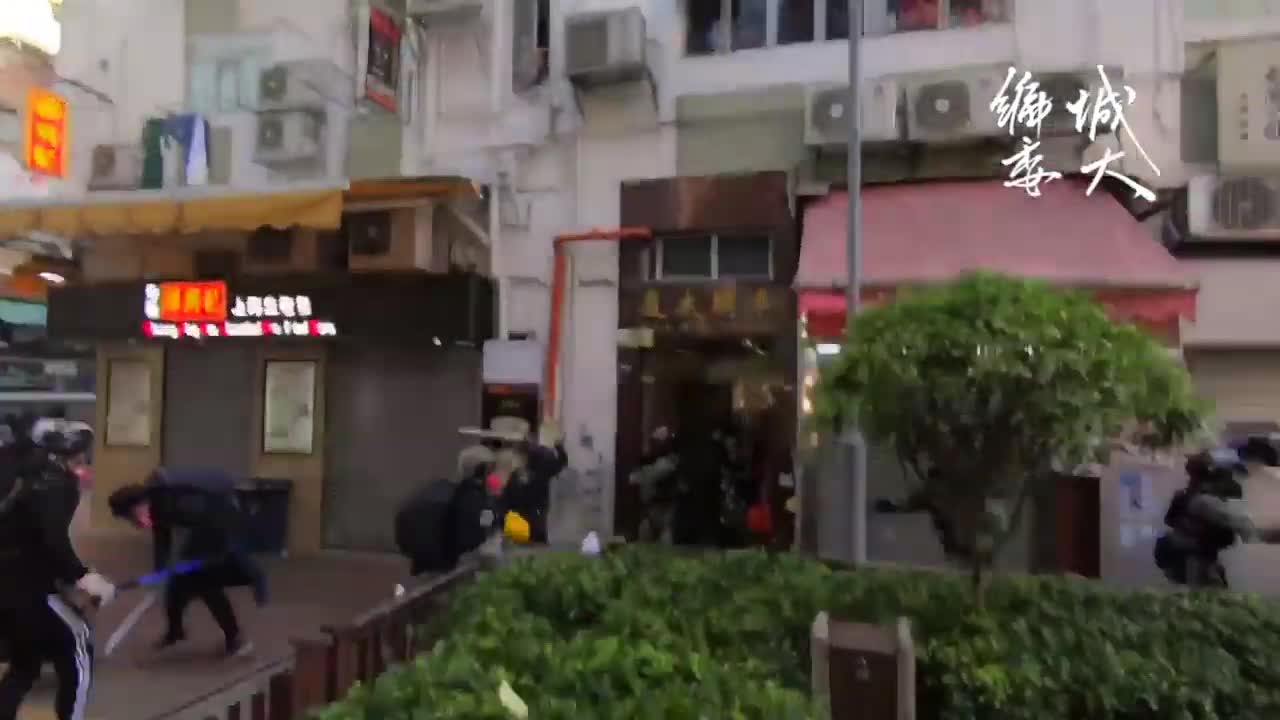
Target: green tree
[987,386]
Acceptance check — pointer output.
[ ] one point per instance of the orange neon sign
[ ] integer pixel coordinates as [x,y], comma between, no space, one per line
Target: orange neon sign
[46,133]
[192,302]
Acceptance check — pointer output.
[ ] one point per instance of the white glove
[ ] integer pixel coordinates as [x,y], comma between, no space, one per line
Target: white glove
[97,586]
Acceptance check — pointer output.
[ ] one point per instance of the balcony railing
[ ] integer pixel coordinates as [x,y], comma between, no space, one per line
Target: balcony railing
[721,26]
[324,668]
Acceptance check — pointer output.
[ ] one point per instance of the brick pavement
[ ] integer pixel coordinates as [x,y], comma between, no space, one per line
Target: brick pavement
[136,683]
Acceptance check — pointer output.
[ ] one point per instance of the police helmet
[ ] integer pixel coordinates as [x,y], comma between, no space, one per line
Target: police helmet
[61,437]
[1218,463]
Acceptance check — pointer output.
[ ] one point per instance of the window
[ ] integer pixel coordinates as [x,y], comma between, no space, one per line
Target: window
[704,27]
[226,84]
[685,258]
[718,26]
[530,44]
[746,256]
[750,23]
[712,257]
[795,21]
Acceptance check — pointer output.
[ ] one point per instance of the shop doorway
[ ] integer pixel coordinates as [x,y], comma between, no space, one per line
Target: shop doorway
[392,420]
[208,406]
[728,397]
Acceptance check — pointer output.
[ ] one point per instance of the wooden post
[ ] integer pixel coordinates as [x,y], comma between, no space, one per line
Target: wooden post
[863,672]
[313,675]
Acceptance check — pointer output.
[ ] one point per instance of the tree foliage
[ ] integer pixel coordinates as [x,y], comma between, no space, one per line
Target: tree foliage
[986,385]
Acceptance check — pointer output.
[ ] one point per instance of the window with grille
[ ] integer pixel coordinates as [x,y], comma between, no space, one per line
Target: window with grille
[712,257]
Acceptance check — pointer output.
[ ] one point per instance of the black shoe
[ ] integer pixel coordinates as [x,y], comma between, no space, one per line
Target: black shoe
[170,639]
[238,647]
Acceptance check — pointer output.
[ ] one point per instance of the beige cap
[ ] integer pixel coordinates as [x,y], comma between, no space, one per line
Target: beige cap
[503,427]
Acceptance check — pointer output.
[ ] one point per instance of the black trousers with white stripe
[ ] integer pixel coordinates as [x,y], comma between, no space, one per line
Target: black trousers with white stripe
[50,631]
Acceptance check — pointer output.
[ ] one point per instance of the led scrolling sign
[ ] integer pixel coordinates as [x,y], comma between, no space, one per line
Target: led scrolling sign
[204,309]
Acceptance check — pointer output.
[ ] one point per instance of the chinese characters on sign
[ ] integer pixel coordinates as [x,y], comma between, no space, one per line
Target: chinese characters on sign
[186,302]
[723,306]
[1023,105]
[46,133]
[200,309]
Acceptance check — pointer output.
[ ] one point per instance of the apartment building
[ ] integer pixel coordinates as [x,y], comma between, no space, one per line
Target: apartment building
[1224,225]
[661,197]
[707,127]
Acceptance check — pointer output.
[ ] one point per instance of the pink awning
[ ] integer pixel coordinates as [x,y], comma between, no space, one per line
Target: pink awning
[920,234]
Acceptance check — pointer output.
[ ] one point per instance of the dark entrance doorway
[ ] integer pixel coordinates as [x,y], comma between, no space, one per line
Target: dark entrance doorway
[730,394]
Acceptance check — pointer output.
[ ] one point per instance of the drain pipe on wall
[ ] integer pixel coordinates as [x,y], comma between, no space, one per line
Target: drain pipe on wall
[559,280]
[497,263]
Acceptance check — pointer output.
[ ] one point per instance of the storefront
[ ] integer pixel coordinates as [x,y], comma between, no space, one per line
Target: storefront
[928,233]
[351,386]
[707,323]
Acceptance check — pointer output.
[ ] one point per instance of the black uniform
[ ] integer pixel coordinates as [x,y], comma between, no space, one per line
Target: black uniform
[444,520]
[202,503]
[528,493]
[36,561]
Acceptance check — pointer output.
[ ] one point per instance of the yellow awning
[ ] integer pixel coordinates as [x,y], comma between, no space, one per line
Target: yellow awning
[136,214]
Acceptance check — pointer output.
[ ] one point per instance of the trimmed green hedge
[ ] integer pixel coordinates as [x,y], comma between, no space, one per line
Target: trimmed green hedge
[646,633]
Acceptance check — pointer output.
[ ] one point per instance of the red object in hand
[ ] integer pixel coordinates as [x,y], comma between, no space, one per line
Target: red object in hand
[85,475]
[494,483]
[760,519]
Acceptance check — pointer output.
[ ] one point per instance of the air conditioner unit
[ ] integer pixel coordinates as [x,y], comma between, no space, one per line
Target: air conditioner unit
[271,250]
[400,239]
[606,47]
[289,137]
[826,119]
[1066,87]
[1249,107]
[302,85]
[947,108]
[445,13]
[116,167]
[1234,208]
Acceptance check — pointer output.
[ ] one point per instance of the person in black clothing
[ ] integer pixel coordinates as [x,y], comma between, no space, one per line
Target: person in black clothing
[39,620]
[658,481]
[203,503]
[528,489]
[444,519]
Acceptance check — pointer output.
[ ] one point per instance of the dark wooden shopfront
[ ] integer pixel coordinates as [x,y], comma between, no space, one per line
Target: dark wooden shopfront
[702,323]
[399,378]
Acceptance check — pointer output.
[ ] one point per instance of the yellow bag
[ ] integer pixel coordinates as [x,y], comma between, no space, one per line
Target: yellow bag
[516,527]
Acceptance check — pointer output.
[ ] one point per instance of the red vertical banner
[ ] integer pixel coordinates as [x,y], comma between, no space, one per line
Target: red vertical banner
[382,70]
[46,133]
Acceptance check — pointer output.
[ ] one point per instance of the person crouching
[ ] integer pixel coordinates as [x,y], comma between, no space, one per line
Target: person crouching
[202,502]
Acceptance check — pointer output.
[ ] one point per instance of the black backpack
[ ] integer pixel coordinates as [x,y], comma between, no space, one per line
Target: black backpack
[1212,538]
[422,527]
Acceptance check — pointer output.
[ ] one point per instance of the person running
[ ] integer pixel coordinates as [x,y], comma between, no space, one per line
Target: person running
[203,503]
[41,619]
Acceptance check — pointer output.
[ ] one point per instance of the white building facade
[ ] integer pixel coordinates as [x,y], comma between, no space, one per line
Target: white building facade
[508,94]
[561,156]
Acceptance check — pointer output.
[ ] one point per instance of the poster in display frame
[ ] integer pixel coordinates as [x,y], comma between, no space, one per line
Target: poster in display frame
[382,60]
[288,407]
[128,403]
